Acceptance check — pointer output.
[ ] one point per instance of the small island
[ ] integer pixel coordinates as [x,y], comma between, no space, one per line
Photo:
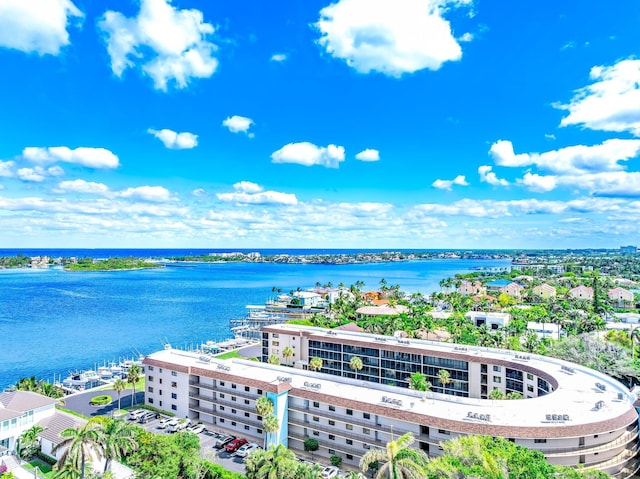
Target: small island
[110,264]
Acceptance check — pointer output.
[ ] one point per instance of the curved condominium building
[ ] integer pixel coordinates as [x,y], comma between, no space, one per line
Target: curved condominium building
[576,416]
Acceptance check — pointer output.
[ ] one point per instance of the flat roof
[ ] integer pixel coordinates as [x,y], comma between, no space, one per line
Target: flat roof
[577,406]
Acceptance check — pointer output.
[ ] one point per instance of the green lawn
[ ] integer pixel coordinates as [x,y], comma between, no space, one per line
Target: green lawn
[45,469]
[229,355]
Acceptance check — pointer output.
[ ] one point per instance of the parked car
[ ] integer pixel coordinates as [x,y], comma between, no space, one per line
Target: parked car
[247,448]
[234,445]
[330,472]
[135,415]
[164,422]
[197,428]
[148,416]
[223,441]
[179,425]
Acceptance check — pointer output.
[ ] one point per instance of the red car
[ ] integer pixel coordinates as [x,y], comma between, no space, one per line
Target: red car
[235,444]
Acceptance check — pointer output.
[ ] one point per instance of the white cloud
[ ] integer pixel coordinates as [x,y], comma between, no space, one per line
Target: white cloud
[308,154]
[169,45]
[37,25]
[174,140]
[447,184]
[278,57]
[247,187]
[38,173]
[393,38]
[238,124]
[488,176]
[82,186]
[156,194]
[89,157]
[368,155]
[535,182]
[6,168]
[611,102]
[577,159]
[248,193]
[199,192]
[608,183]
[466,37]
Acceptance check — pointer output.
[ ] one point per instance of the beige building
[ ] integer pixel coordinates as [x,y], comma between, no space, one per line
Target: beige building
[544,291]
[582,292]
[621,297]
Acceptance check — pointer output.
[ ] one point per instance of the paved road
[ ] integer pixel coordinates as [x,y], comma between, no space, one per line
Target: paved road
[80,402]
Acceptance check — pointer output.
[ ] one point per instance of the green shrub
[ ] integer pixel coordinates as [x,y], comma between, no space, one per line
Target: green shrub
[155,409]
[101,400]
[336,460]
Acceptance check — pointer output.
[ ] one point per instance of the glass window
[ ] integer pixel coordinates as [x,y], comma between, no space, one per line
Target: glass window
[174,396]
[174,373]
[332,437]
[174,407]
[316,404]
[366,430]
[349,412]
[332,408]
[497,379]
[349,427]
[316,418]
[349,442]
[150,379]
[497,369]
[150,389]
[366,415]
[174,384]
[332,422]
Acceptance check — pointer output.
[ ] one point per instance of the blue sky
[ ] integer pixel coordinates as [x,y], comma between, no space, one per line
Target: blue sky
[357,123]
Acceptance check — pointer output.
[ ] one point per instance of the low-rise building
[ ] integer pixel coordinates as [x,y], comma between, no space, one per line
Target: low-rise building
[544,330]
[582,292]
[468,288]
[621,297]
[494,321]
[544,291]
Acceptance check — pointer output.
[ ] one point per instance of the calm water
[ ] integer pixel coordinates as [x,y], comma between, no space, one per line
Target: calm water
[52,322]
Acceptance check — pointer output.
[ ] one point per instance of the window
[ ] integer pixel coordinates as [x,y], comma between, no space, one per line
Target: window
[174,407]
[331,451]
[259,392]
[246,428]
[174,373]
[497,369]
[234,386]
[233,398]
[160,380]
[174,396]
[332,437]
[174,384]
[316,433]
[259,431]
[349,456]
[349,412]
[349,427]
[316,418]
[221,383]
[233,423]
[332,408]
[246,414]
[150,400]
[221,419]
[233,411]
[160,403]
[247,388]
[150,379]
[497,379]
[366,430]
[332,422]
[150,368]
[349,442]
[366,446]
[221,396]
[530,376]
[160,369]
[221,408]
[366,415]
[259,418]
[246,401]
[539,441]
[530,388]
[316,404]
[275,335]
[150,389]
[275,343]
[444,431]
[160,392]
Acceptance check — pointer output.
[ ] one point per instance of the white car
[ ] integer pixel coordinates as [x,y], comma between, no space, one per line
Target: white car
[330,472]
[164,422]
[247,448]
[135,415]
[197,429]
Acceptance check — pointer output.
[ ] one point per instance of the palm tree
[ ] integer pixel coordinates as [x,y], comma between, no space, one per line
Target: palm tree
[356,364]
[118,440]
[315,364]
[497,394]
[444,378]
[69,471]
[287,353]
[276,463]
[418,382]
[79,445]
[401,461]
[273,359]
[264,406]
[133,376]
[118,387]
[29,441]
[270,425]
[308,471]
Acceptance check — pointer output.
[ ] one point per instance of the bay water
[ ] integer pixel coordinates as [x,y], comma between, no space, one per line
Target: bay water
[53,322]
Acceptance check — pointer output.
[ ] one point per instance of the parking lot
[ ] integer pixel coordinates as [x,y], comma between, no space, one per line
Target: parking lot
[207,450]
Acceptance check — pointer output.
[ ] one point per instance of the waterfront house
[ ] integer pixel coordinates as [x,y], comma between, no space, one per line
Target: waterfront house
[307,299]
[512,289]
[620,297]
[497,285]
[544,291]
[467,288]
[582,292]
[19,411]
